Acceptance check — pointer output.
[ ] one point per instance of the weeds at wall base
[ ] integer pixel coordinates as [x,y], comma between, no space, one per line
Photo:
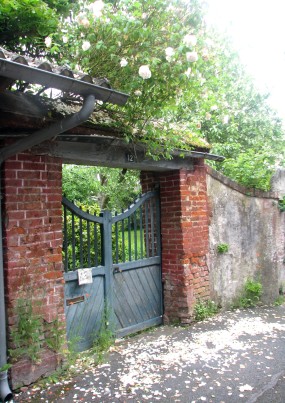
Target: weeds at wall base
[76,362]
[279,300]
[205,309]
[250,295]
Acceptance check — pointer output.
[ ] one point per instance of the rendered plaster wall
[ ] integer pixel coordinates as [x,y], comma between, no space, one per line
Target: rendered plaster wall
[253,227]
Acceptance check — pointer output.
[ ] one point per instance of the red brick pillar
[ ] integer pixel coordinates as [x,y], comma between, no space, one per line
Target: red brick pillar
[185,238]
[32,256]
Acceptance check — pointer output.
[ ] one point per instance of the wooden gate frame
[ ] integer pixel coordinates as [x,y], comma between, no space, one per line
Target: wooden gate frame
[108,269]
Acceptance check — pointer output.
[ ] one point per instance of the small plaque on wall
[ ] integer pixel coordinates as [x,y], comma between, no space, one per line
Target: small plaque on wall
[85,276]
[130,157]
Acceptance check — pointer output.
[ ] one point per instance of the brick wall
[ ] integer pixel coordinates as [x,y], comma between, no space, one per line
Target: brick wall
[185,238]
[32,252]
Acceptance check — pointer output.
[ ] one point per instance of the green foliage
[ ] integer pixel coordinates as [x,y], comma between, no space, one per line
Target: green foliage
[24,24]
[55,334]
[252,169]
[251,295]
[204,310]
[281,204]
[279,300]
[105,188]
[5,367]
[222,248]
[104,338]
[31,333]
[28,335]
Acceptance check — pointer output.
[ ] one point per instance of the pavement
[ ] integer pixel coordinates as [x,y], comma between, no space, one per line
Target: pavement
[236,356]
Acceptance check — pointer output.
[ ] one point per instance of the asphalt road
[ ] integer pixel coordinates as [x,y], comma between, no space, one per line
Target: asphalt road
[237,356]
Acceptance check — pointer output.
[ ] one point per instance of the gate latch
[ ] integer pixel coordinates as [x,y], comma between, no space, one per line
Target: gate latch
[117,270]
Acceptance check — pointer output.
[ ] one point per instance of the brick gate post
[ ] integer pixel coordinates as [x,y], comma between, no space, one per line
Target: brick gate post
[32,235]
[185,238]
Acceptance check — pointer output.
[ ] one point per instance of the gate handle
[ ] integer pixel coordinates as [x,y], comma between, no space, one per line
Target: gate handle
[117,270]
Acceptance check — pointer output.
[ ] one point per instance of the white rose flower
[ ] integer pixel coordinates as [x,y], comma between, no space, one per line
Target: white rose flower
[188,72]
[144,72]
[83,20]
[138,93]
[86,45]
[64,39]
[225,119]
[48,41]
[123,62]
[214,108]
[192,57]
[190,40]
[169,53]
[96,8]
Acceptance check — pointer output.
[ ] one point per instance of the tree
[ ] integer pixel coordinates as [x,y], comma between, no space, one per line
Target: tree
[112,189]
[236,119]
[24,24]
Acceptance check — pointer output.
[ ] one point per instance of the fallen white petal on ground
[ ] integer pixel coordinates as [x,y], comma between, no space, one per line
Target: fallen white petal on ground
[245,387]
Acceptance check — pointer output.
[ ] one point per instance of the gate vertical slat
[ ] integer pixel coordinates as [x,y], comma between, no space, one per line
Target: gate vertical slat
[95,244]
[129,238]
[141,232]
[88,243]
[123,240]
[80,242]
[116,242]
[158,236]
[135,236]
[65,238]
[152,228]
[73,242]
[158,252]
[146,230]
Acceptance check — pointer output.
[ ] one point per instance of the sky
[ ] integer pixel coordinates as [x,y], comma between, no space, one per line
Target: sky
[257,28]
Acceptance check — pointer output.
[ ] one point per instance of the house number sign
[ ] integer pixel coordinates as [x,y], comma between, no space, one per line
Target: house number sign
[85,276]
[130,157]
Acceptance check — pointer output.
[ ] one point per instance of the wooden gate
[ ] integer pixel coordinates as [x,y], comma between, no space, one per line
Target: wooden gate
[122,253]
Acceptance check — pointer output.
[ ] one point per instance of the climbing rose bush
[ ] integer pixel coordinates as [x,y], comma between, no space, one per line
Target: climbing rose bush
[144,53]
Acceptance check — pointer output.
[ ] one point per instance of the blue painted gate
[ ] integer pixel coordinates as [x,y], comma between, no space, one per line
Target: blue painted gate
[124,255]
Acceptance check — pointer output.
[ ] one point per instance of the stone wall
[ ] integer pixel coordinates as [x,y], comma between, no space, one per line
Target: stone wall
[253,227]
[33,269]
